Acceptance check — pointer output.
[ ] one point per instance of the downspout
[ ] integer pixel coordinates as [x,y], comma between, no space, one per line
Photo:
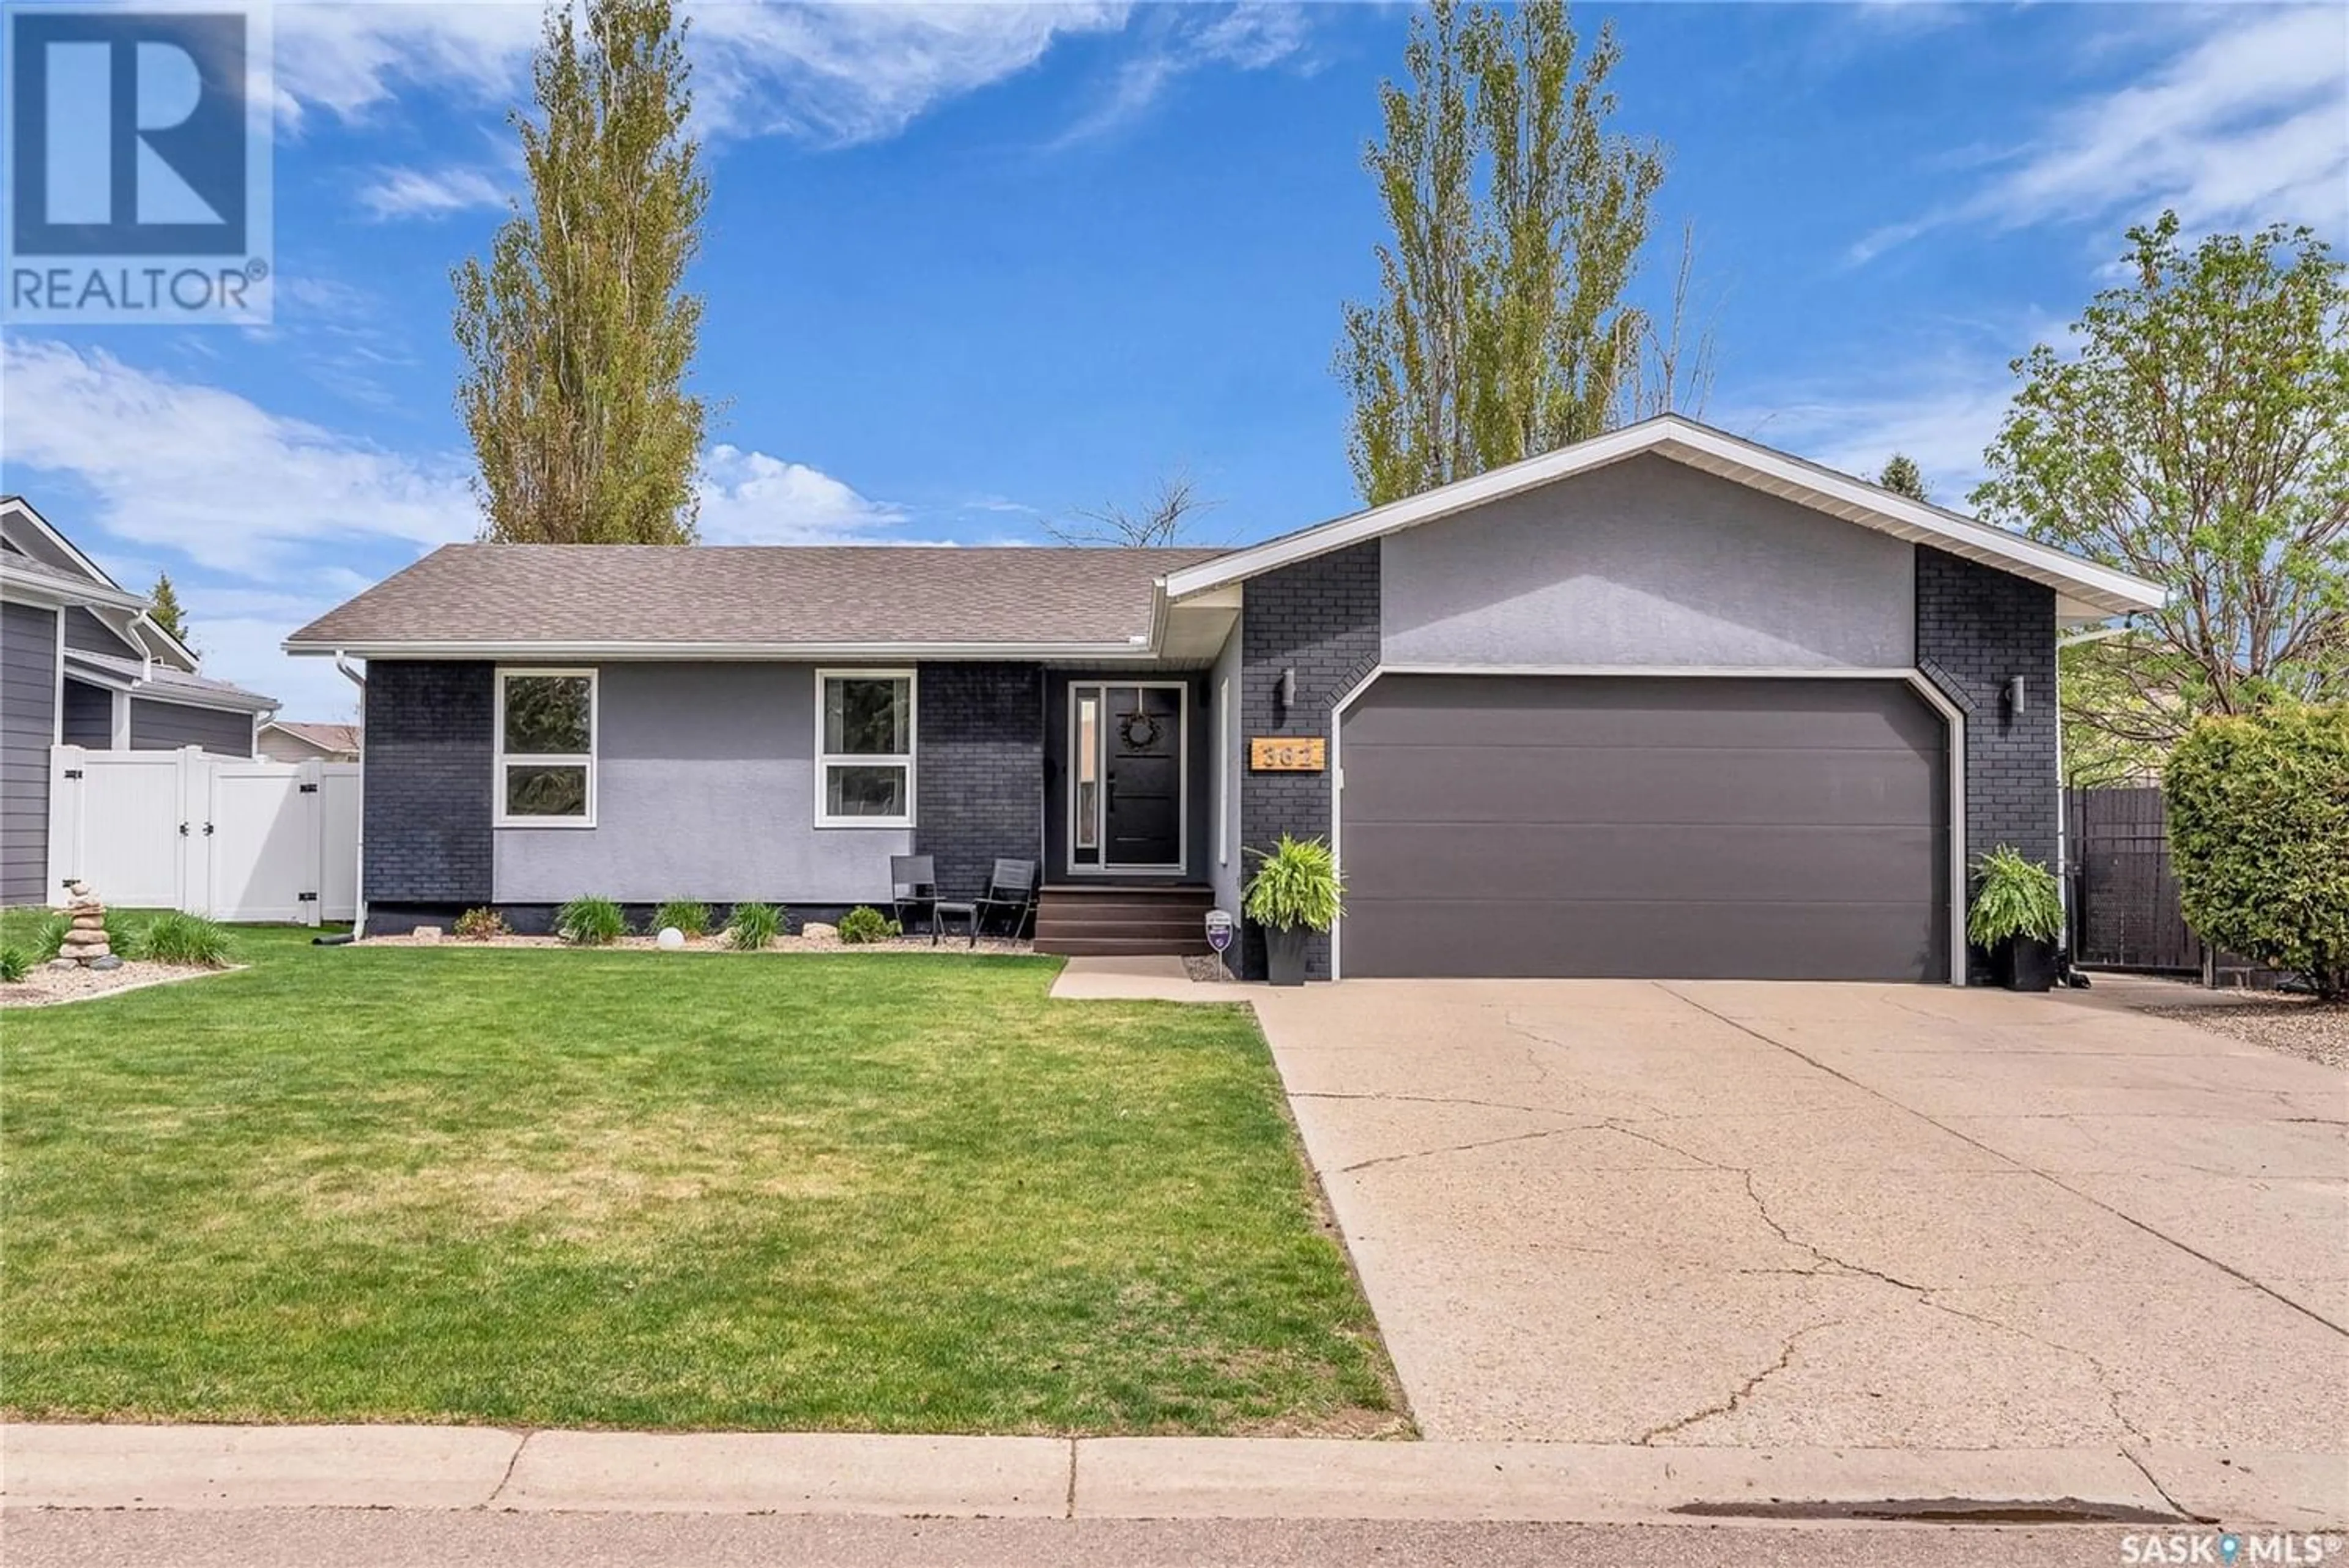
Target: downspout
[359,873]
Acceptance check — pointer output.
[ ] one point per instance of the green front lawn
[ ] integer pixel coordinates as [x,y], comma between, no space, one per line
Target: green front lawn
[878,1192]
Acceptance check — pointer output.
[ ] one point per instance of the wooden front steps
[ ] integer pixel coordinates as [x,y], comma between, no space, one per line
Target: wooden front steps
[1090,921]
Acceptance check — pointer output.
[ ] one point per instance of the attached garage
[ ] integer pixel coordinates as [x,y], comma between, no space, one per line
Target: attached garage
[1690,827]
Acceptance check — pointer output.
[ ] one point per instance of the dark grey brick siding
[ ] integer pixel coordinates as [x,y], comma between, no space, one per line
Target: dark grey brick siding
[1320,618]
[980,769]
[426,783]
[1977,628]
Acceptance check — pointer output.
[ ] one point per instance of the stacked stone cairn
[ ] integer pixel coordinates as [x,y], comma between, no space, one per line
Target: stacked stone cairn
[85,946]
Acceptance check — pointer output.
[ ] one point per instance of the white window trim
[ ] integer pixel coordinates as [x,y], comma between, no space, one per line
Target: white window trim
[499,816]
[826,760]
[1226,722]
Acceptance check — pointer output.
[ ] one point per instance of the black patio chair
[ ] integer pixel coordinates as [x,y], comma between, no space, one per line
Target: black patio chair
[1010,890]
[914,890]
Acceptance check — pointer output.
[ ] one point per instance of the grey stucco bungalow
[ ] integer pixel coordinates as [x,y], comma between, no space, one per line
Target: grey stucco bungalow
[1664,703]
[83,663]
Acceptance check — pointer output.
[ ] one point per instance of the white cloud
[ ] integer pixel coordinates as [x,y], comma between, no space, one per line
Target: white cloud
[2242,126]
[750,498]
[423,194]
[827,73]
[212,475]
[1247,37]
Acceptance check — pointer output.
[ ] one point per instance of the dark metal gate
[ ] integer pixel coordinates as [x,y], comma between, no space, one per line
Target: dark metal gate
[2124,897]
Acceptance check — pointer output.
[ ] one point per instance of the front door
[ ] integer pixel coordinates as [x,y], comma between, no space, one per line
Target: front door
[1125,747]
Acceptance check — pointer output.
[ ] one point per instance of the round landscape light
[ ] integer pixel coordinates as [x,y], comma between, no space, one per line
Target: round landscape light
[670,938]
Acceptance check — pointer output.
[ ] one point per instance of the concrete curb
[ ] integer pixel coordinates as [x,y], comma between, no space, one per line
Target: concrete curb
[458,1468]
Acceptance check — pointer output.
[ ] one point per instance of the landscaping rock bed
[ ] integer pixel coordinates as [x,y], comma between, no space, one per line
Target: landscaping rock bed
[825,942]
[46,986]
[2295,1026]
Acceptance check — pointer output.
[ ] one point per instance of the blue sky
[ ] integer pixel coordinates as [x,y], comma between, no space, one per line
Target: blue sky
[970,267]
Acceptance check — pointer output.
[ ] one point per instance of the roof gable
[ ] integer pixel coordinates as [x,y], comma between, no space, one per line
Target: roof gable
[2085,591]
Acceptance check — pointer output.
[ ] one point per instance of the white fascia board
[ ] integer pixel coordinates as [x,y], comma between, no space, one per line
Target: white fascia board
[778,652]
[51,593]
[66,546]
[1759,467]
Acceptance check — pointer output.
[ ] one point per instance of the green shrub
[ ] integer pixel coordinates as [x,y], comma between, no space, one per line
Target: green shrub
[689,918]
[176,938]
[754,925]
[481,925]
[2259,835]
[865,924]
[1296,887]
[590,922]
[49,937]
[16,963]
[2013,897]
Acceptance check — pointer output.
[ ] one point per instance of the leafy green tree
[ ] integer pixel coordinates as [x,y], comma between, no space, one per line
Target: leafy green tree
[163,609]
[1500,329]
[1903,477]
[577,333]
[2198,436]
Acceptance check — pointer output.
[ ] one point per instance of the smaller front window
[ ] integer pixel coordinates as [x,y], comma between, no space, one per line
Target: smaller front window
[546,748]
[864,743]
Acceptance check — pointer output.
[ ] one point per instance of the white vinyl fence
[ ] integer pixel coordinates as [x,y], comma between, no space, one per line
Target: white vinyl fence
[222,836]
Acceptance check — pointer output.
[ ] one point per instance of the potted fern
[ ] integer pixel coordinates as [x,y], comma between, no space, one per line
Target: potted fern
[2017,916]
[1295,893]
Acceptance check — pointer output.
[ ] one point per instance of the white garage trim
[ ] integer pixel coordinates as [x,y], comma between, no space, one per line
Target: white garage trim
[1933,694]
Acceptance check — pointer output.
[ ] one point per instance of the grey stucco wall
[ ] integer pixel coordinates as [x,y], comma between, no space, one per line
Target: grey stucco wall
[979,751]
[1647,562]
[1978,627]
[28,707]
[1320,618]
[166,726]
[88,717]
[705,788]
[1225,692]
[425,786]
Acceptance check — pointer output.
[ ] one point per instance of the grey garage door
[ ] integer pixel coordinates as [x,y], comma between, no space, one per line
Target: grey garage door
[1690,829]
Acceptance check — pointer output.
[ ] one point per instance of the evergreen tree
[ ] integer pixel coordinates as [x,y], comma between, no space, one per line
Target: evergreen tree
[163,609]
[1903,477]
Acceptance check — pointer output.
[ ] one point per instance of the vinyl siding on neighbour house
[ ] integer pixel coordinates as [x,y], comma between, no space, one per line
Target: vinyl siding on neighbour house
[166,726]
[28,699]
[87,632]
[89,716]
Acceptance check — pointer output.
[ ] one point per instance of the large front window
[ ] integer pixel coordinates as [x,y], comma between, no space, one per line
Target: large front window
[864,745]
[546,748]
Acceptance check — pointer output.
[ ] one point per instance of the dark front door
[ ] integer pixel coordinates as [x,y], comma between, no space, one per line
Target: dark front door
[1130,738]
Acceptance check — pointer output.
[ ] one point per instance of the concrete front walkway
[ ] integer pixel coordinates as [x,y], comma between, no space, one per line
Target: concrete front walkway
[1821,1216]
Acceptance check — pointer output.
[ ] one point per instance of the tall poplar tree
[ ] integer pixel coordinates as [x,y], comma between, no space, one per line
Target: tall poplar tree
[1500,329]
[578,334]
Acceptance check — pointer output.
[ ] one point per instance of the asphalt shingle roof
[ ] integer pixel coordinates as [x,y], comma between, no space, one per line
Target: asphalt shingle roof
[754,594]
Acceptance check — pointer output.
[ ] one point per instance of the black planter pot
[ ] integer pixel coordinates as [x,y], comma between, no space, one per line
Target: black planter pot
[1284,954]
[2026,963]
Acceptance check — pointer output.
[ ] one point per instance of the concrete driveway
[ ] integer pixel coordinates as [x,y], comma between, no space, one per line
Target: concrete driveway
[1831,1215]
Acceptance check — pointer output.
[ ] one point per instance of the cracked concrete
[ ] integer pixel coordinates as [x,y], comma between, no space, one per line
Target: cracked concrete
[1771,1215]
